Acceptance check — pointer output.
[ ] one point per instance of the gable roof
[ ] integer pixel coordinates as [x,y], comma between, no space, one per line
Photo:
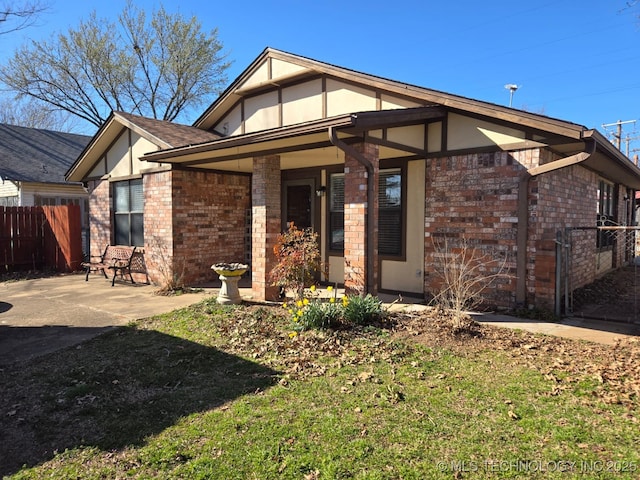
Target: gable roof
[162,133]
[37,155]
[302,67]
[166,134]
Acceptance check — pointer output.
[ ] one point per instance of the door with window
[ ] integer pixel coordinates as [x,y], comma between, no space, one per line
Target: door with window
[298,203]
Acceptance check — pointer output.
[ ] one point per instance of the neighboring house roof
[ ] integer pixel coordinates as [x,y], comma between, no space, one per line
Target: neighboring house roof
[162,133]
[36,155]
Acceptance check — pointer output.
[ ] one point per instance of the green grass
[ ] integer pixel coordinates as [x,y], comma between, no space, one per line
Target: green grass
[223,392]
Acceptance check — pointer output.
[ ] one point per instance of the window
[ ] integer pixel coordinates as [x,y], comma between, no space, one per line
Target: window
[606,214]
[390,212]
[390,215]
[128,204]
[336,211]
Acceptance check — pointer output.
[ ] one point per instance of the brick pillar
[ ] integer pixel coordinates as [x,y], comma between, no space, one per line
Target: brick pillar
[266,223]
[356,215]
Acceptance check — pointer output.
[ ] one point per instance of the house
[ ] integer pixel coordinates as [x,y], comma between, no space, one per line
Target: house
[381,170]
[33,164]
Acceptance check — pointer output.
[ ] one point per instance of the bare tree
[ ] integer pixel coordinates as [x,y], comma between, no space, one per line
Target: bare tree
[159,66]
[18,15]
[31,114]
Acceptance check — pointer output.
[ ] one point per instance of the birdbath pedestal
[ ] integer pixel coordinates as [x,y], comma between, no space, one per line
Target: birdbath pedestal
[230,274]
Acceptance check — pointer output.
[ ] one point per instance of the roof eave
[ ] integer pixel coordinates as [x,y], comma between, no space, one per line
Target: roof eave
[253,138]
[74,174]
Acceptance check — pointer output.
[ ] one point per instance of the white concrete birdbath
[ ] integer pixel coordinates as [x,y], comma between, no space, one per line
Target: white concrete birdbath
[230,274]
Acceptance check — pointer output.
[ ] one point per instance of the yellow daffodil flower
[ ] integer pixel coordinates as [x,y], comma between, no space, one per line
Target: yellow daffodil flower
[329,288]
[312,288]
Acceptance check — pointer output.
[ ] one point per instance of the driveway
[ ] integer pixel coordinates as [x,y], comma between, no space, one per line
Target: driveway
[42,315]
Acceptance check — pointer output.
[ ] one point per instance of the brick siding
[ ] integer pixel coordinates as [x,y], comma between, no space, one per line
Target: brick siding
[99,216]
[266,223]
[355,221]
[473,199]
[209,212]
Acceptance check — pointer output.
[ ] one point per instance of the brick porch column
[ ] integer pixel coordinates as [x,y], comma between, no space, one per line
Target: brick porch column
[266,223]
[356,215]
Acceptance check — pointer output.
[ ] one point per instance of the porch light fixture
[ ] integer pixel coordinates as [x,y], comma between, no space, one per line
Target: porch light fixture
[320,192]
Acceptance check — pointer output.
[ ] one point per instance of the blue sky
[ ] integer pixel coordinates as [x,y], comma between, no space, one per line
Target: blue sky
[574,60]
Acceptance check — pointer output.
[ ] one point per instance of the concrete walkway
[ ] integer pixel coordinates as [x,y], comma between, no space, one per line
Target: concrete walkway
[42,315]
[598,331]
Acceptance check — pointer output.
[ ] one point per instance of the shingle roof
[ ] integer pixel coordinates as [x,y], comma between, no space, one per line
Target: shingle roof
[35,155]
[174,134]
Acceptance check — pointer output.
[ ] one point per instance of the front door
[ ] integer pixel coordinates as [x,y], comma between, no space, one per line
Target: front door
[298,203]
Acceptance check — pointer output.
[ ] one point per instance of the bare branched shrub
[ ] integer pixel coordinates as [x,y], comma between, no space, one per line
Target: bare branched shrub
[465,273]
[172,278]
[298,259]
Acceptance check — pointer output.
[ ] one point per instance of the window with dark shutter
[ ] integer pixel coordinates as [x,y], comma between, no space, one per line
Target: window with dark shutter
[336,211]
[390,212]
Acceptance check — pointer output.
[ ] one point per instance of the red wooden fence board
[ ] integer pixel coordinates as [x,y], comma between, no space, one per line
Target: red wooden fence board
[37,237]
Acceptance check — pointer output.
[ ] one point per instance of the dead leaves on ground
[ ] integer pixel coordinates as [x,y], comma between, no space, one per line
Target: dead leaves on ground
[613,371]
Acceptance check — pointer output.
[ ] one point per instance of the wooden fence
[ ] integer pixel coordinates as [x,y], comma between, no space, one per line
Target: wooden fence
[36,238]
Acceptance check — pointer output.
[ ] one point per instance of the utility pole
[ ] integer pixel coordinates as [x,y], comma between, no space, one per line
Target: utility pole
[618,135]
[627,141]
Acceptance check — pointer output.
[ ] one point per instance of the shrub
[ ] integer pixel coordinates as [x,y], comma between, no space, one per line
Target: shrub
[316,315]
[311,312]
[362,310]
[298,258]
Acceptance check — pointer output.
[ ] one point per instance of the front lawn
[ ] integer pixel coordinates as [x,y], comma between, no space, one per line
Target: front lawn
[229,393]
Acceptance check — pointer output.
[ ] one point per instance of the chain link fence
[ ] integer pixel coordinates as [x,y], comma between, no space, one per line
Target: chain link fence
[609,254]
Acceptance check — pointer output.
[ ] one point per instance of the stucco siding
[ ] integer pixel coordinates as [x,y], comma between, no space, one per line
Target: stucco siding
[302,102]
[345,98]
[261,112]
[466,132]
